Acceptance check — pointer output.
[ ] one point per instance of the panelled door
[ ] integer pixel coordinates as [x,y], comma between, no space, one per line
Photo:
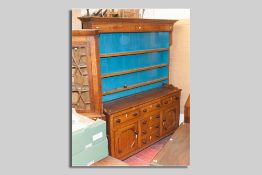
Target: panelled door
[126,140]
[170,120]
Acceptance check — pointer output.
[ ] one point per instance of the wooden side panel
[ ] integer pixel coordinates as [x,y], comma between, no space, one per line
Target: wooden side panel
[187,111]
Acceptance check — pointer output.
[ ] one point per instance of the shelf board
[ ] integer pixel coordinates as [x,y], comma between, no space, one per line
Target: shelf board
[132,52]
[133,86]
[133,70]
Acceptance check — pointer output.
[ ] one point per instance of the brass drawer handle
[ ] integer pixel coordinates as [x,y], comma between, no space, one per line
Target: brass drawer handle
[144,122]
[144,132]
[158,105]
[144,110]
[158,116]
[118,120]
[135,114]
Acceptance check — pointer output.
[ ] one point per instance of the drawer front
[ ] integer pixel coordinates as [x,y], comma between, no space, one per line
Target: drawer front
[129,115]
[154,127]
[144,123]
[150,107]
[154,118]
[148,139]
[170,100]
[150,123]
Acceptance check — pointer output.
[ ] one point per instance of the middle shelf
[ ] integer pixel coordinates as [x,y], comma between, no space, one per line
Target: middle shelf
[133,70]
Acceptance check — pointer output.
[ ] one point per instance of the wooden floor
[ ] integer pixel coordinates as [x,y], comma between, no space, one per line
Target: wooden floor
[177,150]
[110,161]
[144,157]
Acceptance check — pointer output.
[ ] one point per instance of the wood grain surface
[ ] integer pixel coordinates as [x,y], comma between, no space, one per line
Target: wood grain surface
[177,151]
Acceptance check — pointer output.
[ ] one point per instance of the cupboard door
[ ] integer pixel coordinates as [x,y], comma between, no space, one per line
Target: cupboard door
[170,120]
[126,140]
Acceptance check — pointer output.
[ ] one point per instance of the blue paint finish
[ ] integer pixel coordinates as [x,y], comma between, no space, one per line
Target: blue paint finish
[124,42]
[132,91]
[120,81]
[128,62]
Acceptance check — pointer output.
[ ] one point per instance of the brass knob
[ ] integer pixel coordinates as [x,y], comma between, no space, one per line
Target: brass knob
[118,120]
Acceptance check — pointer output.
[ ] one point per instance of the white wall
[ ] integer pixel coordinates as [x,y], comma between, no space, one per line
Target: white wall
[158,13]
[167,13]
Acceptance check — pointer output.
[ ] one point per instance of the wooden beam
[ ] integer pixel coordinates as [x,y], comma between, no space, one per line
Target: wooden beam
[132,52]
[133,70]
[133,86]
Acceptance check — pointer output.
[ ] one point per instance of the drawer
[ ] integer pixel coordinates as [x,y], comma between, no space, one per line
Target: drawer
[144,126]
[170,100]
[129,115]
[154,118]
[150,138]
[145,141]
[154,127]
[150,107]
[155,136]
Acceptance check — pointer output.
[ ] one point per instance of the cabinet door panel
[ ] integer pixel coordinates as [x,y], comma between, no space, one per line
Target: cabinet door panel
[126,139]
[170,120]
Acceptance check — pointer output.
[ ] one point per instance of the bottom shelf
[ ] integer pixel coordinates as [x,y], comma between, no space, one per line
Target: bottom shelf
[134,89]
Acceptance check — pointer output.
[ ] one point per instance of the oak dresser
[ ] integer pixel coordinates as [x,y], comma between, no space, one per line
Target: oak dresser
[130,61]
